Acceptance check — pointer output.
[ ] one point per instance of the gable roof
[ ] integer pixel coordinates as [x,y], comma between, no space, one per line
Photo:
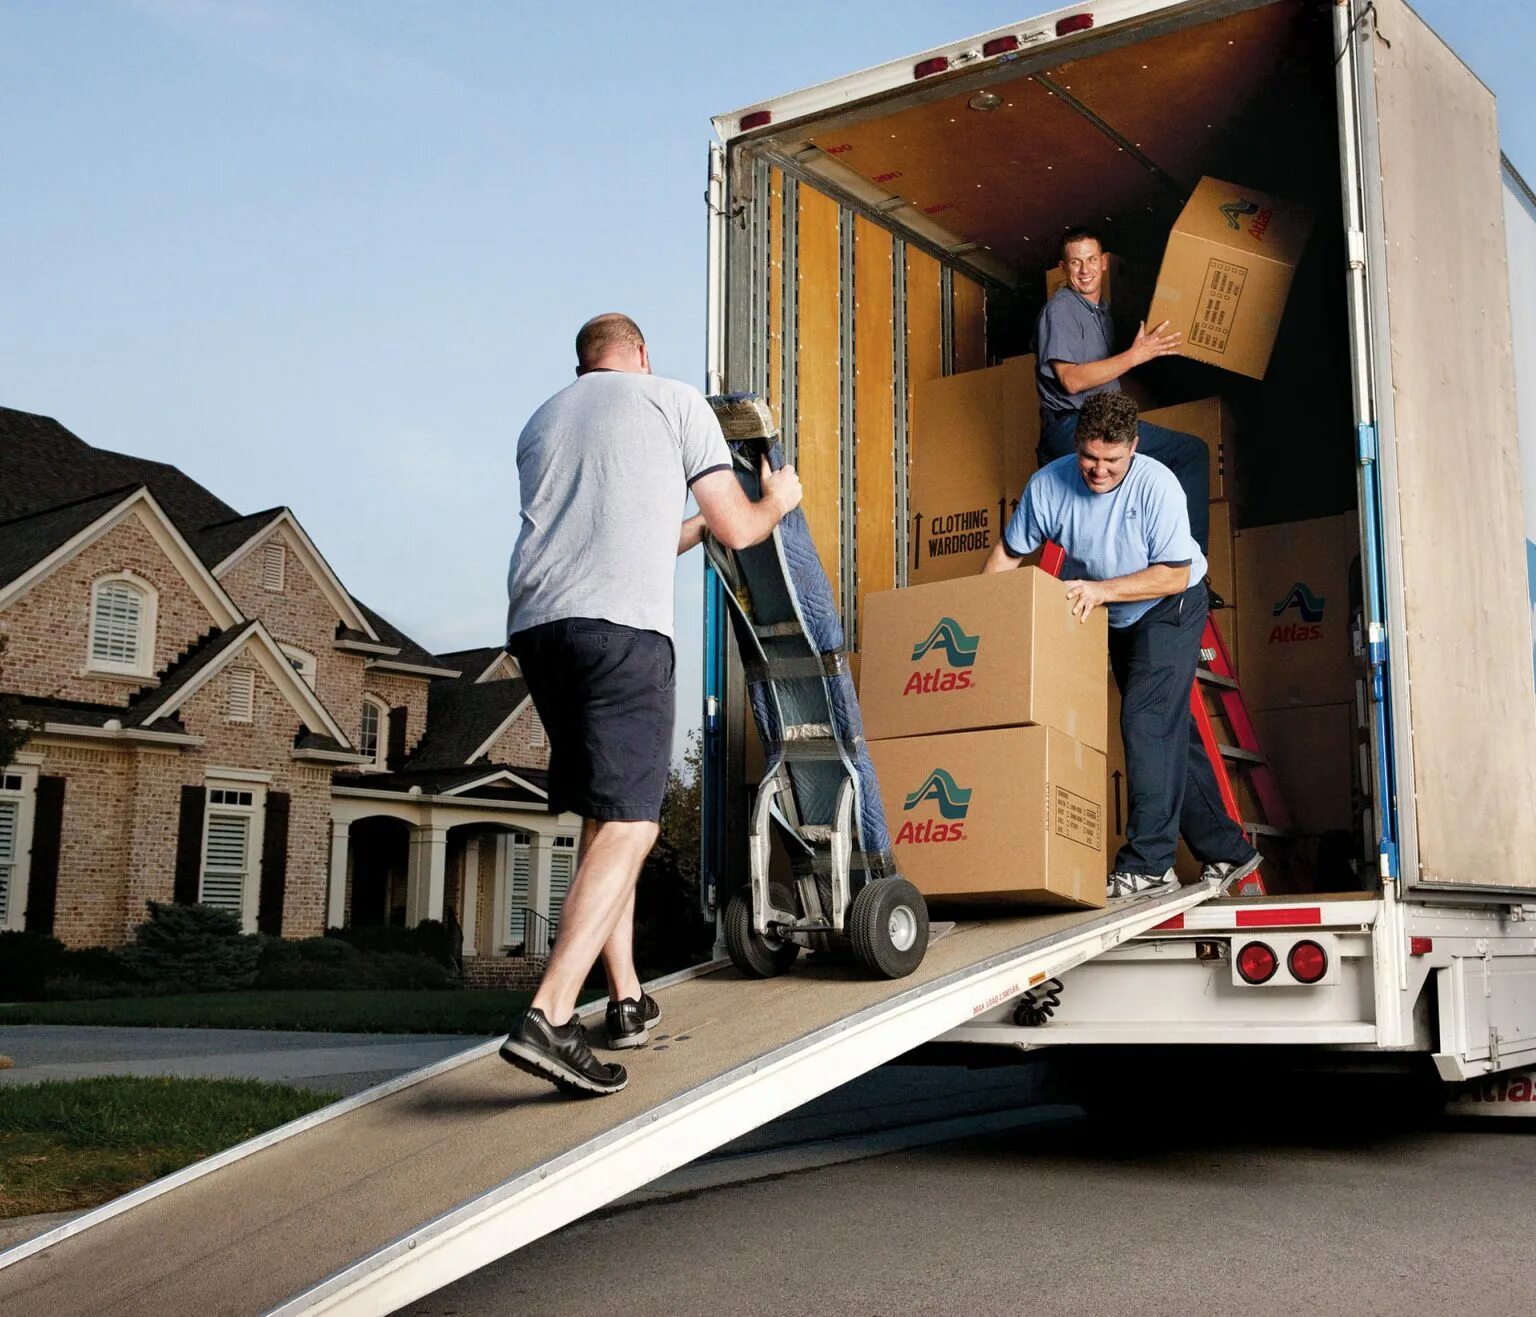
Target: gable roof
[461,717]
[412,657]
[525,787]
[28,539]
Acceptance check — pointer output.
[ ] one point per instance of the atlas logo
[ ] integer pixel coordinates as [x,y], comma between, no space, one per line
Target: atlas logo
[1236,210]
[959,651]
[953,802]
[1309,606]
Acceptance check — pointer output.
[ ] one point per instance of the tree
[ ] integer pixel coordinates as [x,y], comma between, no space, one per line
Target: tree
[670,929]
[14,730]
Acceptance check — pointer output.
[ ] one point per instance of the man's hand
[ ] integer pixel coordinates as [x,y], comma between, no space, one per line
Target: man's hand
[1151,344]
[1084,596]
[781,488]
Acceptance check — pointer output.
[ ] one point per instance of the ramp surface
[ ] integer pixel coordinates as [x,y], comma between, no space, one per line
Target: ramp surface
[475,1161]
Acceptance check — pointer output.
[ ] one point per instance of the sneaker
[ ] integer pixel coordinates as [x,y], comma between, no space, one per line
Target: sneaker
[1122,884]
[560,1055]
[1226,874]
[630,1021]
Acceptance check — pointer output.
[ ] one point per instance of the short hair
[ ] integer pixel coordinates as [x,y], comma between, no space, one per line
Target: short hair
[1078,233]
[601,334]
[1107,416]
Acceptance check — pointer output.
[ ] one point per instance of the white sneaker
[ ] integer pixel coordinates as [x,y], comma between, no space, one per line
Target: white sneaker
[1226,874]
[1122,884]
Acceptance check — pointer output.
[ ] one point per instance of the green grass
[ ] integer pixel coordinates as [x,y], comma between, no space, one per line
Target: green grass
[482,1012]
[66,1146]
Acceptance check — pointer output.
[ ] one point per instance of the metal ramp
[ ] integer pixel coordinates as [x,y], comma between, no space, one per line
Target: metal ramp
[371,1204]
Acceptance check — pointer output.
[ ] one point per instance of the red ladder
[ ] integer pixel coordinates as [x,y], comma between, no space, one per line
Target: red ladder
[1247,755]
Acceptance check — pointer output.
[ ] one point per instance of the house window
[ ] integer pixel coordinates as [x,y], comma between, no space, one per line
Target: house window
[536,727]
[229,848]
[301,662]
[562,868]
[16,805]
[369,742]
[122,625]
[274,559]
[242,695]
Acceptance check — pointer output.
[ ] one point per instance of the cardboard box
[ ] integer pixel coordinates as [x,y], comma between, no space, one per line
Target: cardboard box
[1209,419]
[1220,565]
[1294,588]
[973,445]
[1226,273]
[1312,751]
[988,651]
[1008,816]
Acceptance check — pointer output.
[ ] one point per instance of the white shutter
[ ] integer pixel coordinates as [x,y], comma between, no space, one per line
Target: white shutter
[273,561]
[517,898]
[10,814]
[226,861]
[562,867]
[115,624]
[538,739]
[242,695]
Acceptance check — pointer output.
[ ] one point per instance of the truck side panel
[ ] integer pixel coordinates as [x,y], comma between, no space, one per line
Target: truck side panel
[1520,237]
[875,411]
[1466,601]
[818,439]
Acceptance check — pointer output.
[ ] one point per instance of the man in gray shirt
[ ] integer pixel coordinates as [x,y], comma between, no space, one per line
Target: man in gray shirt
[605,469]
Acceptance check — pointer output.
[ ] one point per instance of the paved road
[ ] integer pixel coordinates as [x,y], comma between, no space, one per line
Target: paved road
[1044,1219]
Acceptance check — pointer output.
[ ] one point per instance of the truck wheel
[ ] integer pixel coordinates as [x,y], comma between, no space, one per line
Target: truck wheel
[757,956]
[888,926]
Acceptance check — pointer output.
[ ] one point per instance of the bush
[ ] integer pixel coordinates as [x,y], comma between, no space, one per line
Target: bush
[319,963]
[26,961]
[192,948]
[431,937]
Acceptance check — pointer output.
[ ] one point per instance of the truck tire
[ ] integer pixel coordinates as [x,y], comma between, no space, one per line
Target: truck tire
[757,956]
[888,927]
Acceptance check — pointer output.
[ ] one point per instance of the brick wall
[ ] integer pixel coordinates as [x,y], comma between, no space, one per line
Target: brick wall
[503,971]
[48,628]
[95,839]
[397,689]
[516,745]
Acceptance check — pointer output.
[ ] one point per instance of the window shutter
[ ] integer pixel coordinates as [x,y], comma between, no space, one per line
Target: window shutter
[115,626]
[562,866]
[189,845]
[274,865]
[10,826]
[395,755]
[47,826]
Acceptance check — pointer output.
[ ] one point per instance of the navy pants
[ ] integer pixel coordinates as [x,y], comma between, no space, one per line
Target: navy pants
[1183,454]
[1170,785]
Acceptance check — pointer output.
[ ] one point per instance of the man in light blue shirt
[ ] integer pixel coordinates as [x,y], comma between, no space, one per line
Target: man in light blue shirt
[1122,521]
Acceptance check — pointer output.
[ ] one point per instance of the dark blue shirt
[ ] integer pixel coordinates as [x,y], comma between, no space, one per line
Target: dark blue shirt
[1073,329]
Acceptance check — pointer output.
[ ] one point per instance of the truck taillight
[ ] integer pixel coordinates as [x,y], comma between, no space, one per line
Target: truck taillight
[1308,962]
[1077,23]
[756,119]
[928,67]
[1257,963]
[1000,46]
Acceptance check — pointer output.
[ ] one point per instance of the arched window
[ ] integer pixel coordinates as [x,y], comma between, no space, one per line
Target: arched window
[122,625]
[370,739]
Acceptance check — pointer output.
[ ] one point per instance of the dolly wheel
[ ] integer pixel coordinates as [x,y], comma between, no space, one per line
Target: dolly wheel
[755,955]
[888,926]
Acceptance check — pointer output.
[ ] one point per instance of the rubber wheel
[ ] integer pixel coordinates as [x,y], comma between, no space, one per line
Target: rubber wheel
[756,956]
[888,926]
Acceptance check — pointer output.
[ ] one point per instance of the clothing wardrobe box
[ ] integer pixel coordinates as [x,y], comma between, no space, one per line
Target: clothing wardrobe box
[1013,815]
[1001,650]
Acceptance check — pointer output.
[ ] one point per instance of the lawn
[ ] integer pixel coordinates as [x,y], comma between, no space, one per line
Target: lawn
[483,1012]
[66,1146]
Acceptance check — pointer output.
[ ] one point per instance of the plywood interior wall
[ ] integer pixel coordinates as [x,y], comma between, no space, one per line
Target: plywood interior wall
[774,383]
[874,410]
[969,302]
[818,365]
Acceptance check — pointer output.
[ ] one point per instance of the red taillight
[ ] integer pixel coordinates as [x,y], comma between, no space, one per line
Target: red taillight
[930,66]
[1307,962]
[1420,946]
[1257,963]
[1077,23]
[1000,46]
[756,119]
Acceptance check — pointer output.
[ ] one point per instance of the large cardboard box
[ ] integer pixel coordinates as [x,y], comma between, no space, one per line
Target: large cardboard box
[1014,815]
[1312,751]
[973,445]
[1226,273]
[1209,419]
[1294,587]
[1000,650]
[1221,568]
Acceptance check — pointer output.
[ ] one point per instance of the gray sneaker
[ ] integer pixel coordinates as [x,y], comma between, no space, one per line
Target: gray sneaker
[1122,884]
[1226,874]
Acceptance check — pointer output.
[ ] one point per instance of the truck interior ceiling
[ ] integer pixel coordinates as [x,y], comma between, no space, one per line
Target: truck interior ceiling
[987,168]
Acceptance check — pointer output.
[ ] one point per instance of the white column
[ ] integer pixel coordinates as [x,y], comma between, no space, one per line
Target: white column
[541,850]
[424,879]
[469,888]
[336,905]
[501,893]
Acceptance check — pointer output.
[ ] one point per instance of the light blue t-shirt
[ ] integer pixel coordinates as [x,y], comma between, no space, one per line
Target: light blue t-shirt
[1142,520]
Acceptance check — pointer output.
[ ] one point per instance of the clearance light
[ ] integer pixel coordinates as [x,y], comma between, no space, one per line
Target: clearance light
[930,66]
[1000,46]
[1420,946]
[1308,962]
[1077,23]
[756,119]
[1257,963]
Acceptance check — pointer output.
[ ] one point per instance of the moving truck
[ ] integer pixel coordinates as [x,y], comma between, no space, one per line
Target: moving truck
[876,238]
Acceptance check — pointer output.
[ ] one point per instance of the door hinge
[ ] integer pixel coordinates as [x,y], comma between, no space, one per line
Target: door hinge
[1365,442]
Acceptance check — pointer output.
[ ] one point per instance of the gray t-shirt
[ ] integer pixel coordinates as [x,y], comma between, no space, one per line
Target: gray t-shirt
[1071,328]
[604,468]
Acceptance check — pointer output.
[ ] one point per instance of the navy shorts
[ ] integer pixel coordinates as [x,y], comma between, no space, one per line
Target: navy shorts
[606,696]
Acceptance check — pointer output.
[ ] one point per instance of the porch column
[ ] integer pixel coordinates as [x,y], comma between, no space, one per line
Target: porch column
[541,850]
[469,887]
[341,851]
[425,877]
[501,893]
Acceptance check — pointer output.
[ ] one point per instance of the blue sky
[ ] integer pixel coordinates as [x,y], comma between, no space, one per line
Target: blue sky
[331,255]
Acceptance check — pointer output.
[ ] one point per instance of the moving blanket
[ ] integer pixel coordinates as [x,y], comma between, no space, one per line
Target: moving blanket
[791,640]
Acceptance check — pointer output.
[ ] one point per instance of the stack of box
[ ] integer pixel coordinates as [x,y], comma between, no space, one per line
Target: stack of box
[986,719]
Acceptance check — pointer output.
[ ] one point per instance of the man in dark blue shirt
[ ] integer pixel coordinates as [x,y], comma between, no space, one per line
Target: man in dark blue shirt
[1074,348]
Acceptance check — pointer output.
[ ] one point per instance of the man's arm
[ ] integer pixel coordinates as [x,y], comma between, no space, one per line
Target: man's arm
[1158,581]
[734,519]
[1075,377]
[1000,560]
[692,533]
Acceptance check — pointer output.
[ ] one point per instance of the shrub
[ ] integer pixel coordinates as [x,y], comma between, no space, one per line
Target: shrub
[431,937]
[333,963]
[192,948]
[26,960]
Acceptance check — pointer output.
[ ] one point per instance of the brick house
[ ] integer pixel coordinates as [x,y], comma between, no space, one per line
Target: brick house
[217,719]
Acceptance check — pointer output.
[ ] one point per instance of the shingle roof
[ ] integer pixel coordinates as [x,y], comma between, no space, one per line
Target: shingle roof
[410,651]
[461,717]
[437,781]
[215,543]
[471,662]
[184,669]
[28,539]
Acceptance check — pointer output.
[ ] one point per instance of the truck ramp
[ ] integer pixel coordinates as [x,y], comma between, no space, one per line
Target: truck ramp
[368,1205]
